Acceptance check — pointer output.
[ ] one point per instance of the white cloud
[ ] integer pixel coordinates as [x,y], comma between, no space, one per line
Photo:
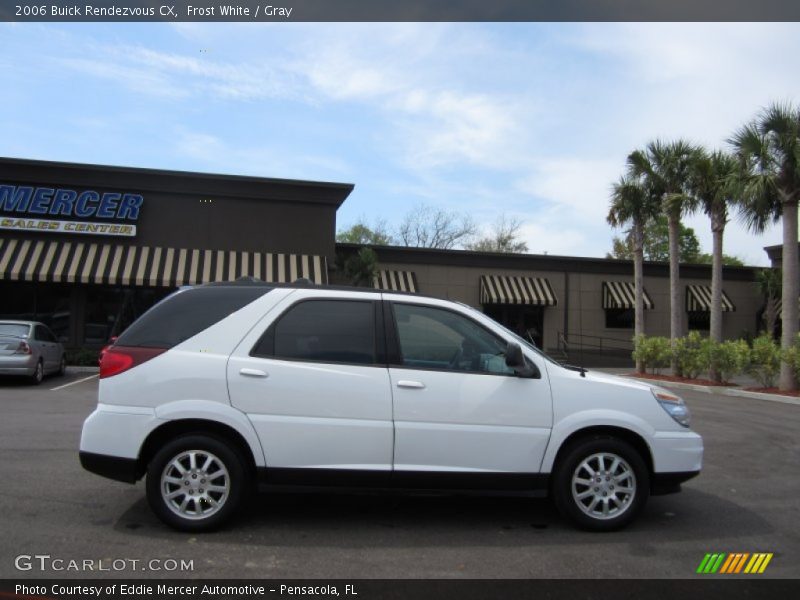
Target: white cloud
[256,160]
[579,186]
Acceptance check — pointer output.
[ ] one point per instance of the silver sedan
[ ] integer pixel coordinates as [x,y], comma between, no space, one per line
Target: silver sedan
[30,349]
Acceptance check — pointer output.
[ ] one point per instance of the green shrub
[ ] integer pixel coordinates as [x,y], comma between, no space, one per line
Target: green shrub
[791,356]
[729,358]
[691,355]
[653,351]
[764,360]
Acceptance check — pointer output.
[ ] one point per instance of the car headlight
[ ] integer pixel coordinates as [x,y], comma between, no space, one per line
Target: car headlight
[674,406]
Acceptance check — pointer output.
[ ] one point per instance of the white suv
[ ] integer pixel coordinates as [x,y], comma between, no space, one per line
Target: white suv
[221,387]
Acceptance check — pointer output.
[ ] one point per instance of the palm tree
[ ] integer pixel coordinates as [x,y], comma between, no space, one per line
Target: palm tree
[769,284]
[768,148]
[665,168]
[631,203]
[713,179]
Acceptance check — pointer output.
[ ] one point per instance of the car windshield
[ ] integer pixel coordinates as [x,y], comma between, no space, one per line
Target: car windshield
[14,329]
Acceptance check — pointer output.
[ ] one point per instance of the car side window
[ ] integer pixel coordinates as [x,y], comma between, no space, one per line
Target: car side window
[48,335]
[335,331]
[435,338]
[38,334]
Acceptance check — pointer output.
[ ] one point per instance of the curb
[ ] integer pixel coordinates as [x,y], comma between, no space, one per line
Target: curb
[722,390]
[71,369]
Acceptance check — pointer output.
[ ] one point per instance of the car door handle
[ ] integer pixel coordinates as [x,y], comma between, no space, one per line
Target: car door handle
[405,383]
[253,373]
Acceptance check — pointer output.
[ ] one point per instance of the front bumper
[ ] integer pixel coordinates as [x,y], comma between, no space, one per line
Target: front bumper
[669,483]
[677,457]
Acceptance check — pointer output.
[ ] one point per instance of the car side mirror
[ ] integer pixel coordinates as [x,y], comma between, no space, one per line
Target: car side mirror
[515,359]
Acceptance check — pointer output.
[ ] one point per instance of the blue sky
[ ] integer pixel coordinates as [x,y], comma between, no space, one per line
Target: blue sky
[534,120]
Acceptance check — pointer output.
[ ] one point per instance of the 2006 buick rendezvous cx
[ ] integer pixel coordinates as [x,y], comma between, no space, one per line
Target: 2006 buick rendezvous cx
[224,386]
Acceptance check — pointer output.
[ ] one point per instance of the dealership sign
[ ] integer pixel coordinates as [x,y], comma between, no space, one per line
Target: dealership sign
[41,209]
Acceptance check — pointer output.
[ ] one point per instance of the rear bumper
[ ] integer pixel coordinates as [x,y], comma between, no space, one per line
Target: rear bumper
[112,467]
[18,365]
[669,483]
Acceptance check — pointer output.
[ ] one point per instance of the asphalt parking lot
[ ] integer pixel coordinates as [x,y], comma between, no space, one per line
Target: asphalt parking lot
[745,500]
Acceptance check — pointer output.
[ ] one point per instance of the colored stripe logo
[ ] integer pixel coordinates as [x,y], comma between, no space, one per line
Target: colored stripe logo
[734,563]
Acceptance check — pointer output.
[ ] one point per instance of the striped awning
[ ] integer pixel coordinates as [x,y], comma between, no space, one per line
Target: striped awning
[698,299]
[399,281]
[622,294]
[120,264]
[500,289]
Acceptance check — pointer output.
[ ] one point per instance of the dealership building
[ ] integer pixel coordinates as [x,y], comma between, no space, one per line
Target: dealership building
[86,249]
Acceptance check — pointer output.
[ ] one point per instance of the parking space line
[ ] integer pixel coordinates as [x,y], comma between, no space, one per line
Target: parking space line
[61,387]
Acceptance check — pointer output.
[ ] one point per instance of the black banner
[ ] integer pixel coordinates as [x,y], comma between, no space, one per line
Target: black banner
[712,588]
[398,10]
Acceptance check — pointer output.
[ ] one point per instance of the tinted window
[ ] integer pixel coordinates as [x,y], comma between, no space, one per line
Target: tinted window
[620,318]
[434,338]
[186,313]
[43,334]
[338,331]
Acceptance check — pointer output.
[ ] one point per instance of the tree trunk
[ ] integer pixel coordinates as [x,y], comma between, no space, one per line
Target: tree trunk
[638,283]
[771,316]
[790,289]
[674,284]
[715,327]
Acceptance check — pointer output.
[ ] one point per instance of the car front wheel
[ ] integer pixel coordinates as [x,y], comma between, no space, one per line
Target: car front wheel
[195,483]
[601,484]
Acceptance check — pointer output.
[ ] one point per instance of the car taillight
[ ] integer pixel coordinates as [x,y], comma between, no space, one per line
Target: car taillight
[23,348]
[118,359]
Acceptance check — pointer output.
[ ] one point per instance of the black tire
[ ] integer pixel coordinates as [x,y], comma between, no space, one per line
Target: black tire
[582,512]
[38,374]
[203,445]
[62,368]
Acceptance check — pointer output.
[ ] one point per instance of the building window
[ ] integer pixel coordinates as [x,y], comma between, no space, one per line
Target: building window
[109,310]
[46,302]
[620,318]
[699,321]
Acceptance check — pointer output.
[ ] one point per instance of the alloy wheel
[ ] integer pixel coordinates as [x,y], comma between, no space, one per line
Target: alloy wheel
[603,485]
[195,484]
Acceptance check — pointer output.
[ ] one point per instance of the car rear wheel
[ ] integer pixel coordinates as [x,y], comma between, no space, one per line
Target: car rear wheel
[62,367]
[38,373]
[195,483]
[601,484]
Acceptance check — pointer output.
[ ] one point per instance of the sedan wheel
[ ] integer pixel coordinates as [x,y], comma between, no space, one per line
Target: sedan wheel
[38,374]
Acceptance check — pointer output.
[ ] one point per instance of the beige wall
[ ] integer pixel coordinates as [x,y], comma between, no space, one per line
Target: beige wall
[586,314]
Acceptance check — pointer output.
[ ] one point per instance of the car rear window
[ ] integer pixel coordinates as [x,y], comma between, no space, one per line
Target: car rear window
[186,313]
[14,329]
